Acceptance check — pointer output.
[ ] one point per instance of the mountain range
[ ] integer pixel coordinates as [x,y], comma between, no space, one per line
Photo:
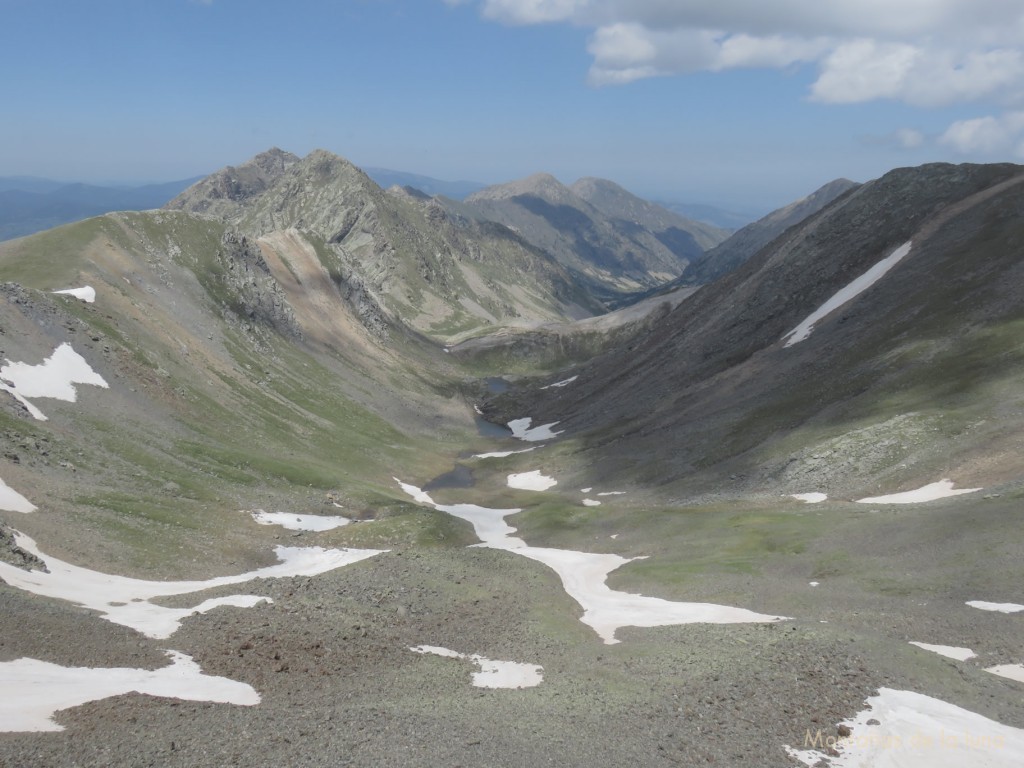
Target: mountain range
[449,449]
[30,205]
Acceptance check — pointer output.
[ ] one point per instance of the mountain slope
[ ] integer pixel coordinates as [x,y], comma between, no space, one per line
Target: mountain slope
[239,375]
[743,244]
[919,358]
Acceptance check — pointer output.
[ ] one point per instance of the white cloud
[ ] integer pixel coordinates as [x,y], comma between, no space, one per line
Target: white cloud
[909,138]
[988,135]
[921,52]
[775,51]
[865,70]
[532,11]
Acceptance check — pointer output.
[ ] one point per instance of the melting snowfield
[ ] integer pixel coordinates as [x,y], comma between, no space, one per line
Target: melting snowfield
[531,481]
[950,651]
[915,731]
[295,522]
[1009,671]
[521,429]
[931,492]
[492,674]
[12,501]
[998,607]
[563,383]
[500,454]
[33,690]
[584,575]
[809,498]
[126,601]
[850,292]
[55,377]
[86,293]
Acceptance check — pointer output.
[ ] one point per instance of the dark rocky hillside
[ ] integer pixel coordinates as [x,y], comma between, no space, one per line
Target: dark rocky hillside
[744,243]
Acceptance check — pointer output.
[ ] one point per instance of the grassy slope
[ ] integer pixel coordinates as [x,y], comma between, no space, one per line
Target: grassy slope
[208,413]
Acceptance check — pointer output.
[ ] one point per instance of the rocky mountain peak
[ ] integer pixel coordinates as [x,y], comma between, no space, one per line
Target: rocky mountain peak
[273,161]
[323,166]
[226,189]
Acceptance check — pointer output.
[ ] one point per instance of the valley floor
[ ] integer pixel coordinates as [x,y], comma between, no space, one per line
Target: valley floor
[334,658]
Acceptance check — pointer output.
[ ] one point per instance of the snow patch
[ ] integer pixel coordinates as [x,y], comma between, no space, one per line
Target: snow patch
[949,651]
[86,293]
[810,498]
[55,378]
[916,731]
[12,501]
[591,503]
[126,601]
[612,493]
[35,690]
[931,492]
[295,522]
[1009,671]
[531,481]
[584,576]
[521,429]
[850,292]
[501,454]
[813,583]
[492,674]
[999,607]
[564,383]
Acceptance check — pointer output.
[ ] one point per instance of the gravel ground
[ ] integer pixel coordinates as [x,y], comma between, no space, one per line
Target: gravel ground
[330,658]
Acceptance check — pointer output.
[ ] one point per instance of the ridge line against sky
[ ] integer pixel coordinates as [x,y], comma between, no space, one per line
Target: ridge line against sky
[739,102]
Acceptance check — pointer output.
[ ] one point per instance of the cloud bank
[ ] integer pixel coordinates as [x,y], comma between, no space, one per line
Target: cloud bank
[924,53]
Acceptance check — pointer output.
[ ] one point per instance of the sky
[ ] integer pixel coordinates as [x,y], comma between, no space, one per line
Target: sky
[748,104]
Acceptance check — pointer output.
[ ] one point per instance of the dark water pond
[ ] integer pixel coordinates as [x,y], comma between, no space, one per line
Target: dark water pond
[496,385]
[460,477]
[488,429]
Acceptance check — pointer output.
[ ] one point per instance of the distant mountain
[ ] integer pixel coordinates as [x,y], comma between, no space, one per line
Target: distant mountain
[29,184]
[919,363]
[730,254]
[723,218]
[30,204]
[674,231]
[457,190]
[623,242]
[400,258]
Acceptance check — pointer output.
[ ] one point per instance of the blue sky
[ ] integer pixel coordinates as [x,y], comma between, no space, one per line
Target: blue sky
[686,100]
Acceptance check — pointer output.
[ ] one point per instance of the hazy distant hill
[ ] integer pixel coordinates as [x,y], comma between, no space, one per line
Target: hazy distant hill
[29,204]
[457,190]
[711,214]
[623,242]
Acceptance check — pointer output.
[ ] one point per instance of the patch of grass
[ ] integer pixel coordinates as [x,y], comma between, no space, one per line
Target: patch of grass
[835,563]
[416,527]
